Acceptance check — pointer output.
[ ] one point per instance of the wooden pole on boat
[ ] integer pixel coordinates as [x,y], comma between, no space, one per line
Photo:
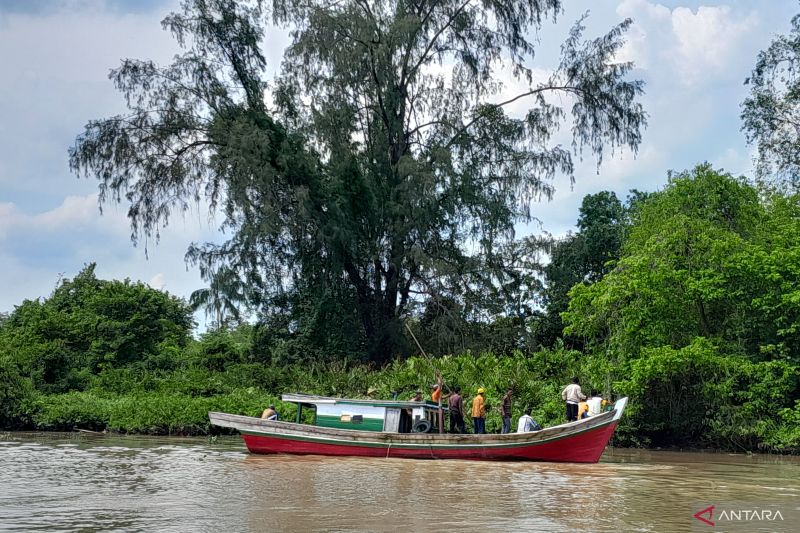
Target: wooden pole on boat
[440,381]
[436,375]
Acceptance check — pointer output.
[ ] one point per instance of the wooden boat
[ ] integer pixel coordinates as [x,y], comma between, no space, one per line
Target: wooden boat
[374,428]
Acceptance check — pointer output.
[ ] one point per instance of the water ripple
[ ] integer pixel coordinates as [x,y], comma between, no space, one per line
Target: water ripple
[107,483]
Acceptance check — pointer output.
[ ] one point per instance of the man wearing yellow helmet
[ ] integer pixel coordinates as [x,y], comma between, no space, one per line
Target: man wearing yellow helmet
[479,412]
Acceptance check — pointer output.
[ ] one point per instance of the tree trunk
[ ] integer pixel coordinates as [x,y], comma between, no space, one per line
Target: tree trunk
[376,311]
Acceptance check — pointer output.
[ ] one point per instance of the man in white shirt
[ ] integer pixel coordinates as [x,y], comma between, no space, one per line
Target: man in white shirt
[595,403]
[572,395]
[526,423]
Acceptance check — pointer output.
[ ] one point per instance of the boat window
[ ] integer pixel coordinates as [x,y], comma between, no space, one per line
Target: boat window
[306,414]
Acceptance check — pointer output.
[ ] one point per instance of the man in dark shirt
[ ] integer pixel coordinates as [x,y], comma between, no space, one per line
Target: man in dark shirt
[505,410]
[456,406]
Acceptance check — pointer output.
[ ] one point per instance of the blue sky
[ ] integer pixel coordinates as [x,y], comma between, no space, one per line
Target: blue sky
[55,57]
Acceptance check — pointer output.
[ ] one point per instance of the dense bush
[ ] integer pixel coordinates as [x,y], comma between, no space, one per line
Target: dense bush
[88,325]
[148,413]
[692,397]
[695,396]
[16,396]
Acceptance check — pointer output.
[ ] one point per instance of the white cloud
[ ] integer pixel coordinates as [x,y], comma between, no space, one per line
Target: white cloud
[708,39]
[636,44]
[37,248]
[158,281]
[697,44]
[74,211]
[75,214]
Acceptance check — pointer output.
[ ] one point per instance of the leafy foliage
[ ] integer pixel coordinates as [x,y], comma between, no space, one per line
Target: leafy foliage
[89,324]
[16,395]
[697,396]
[701,260]
[582,257]
[699,314]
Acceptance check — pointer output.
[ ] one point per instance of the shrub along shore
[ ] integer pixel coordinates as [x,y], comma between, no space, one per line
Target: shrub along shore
[734,411]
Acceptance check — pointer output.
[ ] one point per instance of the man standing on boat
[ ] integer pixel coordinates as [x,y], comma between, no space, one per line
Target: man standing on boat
[505,410]
[436,393]
[456,406]
[572,395]
[479,412]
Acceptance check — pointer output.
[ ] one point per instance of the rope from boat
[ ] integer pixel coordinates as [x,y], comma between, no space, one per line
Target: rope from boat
[388,449]
[437,375]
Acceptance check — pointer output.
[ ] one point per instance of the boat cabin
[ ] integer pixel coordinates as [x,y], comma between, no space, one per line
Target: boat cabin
[369,415]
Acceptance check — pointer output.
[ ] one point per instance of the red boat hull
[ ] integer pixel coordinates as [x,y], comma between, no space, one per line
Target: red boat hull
[584,447]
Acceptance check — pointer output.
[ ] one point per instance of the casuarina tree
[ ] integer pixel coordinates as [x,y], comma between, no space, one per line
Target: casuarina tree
[771,113]
[380,168]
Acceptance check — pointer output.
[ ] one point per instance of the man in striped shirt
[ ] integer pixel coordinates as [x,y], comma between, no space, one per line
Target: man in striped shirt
[505,410]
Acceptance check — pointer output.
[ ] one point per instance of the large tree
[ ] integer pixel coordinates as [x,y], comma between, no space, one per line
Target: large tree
[771,113]
[387,167]
[709,256]
[582,257]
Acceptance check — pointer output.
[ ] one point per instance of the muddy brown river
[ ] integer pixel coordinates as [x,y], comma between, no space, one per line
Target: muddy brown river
[79,482]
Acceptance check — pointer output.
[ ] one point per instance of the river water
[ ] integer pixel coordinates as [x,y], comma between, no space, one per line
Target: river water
[79,482]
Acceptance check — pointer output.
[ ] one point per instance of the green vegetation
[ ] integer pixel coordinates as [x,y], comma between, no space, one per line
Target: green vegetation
[700,313]
[88,325]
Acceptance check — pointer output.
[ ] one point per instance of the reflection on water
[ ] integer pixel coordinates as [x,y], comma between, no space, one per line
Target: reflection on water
[92,483]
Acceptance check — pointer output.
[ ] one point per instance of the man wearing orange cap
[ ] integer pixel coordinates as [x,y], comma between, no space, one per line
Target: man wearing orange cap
[436,393]
[479,412]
